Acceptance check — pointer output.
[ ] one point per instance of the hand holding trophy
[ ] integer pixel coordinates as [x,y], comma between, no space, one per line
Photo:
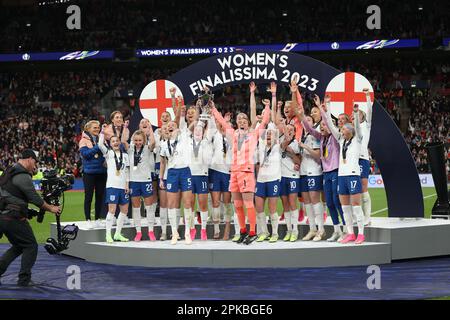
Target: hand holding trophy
[204,99]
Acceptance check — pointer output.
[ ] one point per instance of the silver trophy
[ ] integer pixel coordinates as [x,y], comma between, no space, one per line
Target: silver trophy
[204,103]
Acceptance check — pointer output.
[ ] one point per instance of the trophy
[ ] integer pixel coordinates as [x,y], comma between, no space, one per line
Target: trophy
[203,102]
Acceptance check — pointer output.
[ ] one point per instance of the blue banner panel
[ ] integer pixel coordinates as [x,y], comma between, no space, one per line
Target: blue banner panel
[445,41]
[287,47]
[55,56]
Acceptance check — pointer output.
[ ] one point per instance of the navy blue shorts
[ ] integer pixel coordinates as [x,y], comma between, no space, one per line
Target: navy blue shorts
[199,184]
[348,185]
[364,167]
[289,186]
[179,180]
[311,183]
[268,189]
[141,189]
[116,196]
[218,181]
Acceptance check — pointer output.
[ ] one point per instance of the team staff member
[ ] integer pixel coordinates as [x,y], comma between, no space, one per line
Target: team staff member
[17,182]
[94,172]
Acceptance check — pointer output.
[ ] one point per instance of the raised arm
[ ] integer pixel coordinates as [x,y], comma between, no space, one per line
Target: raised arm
[178,111]
[369,106]
[273,90]
[279,121]
[308,127]
[325,111]
[101,140]
[218,116]
[265,121]
[358,131]
[252,87]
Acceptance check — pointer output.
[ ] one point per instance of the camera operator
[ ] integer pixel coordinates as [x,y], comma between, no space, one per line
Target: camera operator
[17,182]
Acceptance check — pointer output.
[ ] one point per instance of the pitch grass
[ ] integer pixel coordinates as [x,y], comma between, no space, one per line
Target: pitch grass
[73,210]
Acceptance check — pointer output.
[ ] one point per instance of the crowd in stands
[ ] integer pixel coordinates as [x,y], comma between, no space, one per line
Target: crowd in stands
[47,110]
[137,24]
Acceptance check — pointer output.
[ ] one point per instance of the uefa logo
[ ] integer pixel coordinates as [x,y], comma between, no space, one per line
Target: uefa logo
[26,57]
[335,46]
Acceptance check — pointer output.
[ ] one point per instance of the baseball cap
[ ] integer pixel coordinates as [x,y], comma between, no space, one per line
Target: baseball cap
[28,153]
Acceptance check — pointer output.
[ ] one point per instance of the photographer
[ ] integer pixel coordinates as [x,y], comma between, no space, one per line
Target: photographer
[17,183]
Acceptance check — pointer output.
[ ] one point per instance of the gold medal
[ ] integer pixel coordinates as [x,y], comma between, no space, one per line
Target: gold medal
[117,172]
[96,156]
[344,160]
[134,168]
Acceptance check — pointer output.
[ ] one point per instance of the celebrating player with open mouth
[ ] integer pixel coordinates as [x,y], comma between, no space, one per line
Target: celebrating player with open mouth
[141,160]
[242,180]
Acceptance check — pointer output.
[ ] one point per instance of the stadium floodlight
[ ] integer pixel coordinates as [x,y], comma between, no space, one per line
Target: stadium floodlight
[420,8]
[284,14]
[154,20]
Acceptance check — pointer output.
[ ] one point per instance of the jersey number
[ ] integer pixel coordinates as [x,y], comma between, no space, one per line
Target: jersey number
[353,184]
[311,182]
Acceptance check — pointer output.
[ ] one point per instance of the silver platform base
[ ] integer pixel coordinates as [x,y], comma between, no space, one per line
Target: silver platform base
[387,239]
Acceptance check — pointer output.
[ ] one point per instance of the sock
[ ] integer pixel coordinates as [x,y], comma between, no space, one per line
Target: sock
[216,219]
[178,212]
[274,221]
[357,210]
[150,216]
[251,213]
[260,221]
[337,228]
[163,219]
[241,218]
[287,219]
[120,221]
[222,210]
[136,212]
[173,220]
[228,212]
[318,212]
[311,217]
[348,215]
[236,224]
[294,221]
[109,223]
[366,205]
[187,221]
[204,216]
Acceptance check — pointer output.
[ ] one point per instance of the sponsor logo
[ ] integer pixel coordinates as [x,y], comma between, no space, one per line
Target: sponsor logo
[79,55]
[335,46]
[26,57]
[377,44]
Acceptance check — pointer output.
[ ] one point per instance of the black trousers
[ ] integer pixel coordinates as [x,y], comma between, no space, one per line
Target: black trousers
[97,183]
[21,236]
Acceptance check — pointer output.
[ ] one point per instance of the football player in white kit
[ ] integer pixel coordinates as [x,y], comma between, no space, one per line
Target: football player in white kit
[349,178]
[175,154]
[141,158]
[290,180]
[311,184]
[116,184]
[268,182]
[160,139]
[201,154]
[219,179]
[364,159]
